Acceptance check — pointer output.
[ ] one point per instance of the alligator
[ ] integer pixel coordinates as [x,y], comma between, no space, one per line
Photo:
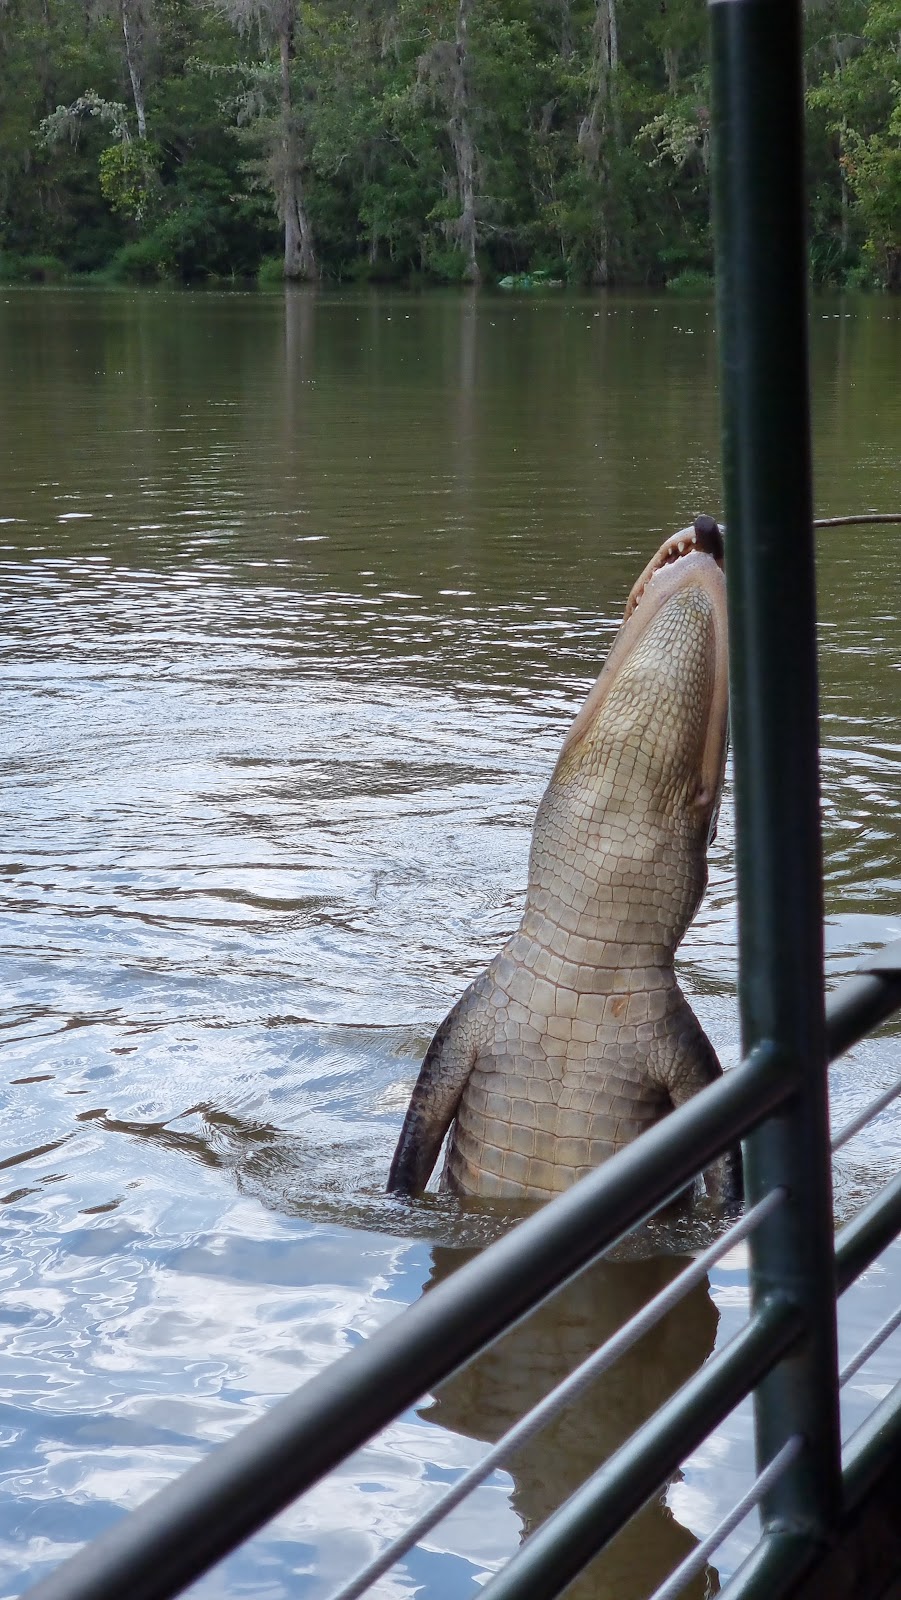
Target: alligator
[577,1037]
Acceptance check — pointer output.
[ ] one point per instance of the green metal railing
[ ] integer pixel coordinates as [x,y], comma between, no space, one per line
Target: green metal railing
[196,1520]
[776,1100]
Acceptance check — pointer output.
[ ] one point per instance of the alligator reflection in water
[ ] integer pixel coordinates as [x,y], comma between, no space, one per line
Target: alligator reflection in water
[489,1395]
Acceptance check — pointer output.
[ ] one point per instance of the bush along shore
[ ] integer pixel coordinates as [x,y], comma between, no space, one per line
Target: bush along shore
[538,141]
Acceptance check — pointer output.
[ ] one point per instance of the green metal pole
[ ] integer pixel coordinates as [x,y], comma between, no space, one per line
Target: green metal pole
[759,217]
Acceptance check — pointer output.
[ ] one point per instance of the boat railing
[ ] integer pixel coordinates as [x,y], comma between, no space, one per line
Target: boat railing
[196,1520]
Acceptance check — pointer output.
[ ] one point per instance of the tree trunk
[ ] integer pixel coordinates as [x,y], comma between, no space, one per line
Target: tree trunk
[614,68]
[604,86]
[464,148]
[671,65]
[845,219]
[603,110]
[300,256]
[567,42]
[839,53]
[133,34]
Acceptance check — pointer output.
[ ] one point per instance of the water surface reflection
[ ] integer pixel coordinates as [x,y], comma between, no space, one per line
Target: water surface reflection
[489,1395]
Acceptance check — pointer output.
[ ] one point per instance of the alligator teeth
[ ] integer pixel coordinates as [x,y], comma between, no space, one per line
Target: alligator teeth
[706,539]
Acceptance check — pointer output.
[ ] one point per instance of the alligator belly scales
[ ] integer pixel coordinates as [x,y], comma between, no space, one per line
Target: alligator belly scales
[577,1037]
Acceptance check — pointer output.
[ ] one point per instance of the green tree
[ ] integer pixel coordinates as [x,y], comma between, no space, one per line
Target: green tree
[855,122]
[462,139]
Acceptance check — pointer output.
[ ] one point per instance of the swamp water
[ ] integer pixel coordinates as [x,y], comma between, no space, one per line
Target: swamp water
[299,596]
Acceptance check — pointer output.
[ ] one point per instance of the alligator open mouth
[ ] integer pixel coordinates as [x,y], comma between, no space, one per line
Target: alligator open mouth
[705,536]
[686,571]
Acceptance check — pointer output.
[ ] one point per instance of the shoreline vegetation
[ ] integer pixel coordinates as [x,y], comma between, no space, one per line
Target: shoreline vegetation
[545,142]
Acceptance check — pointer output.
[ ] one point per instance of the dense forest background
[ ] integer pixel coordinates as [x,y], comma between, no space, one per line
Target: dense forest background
[396,139]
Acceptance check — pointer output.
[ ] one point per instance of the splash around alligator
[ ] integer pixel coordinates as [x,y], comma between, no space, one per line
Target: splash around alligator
[577,1037]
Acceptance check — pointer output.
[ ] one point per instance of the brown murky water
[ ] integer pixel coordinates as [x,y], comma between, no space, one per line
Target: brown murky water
[299,596]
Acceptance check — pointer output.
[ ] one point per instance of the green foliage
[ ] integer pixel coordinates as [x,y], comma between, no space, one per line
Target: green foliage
[271,272]
[30,269]
[855,135]
[873,170]
[129,177]
[691,282]
[588,164]
[147,260]
[445,265]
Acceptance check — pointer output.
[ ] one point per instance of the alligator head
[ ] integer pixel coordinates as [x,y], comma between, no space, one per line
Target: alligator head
[620,839]
[577,1037]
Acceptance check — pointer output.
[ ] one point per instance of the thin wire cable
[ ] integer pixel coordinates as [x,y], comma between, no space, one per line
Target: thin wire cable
[565,1392]
[870,1348]
[865,1116]
[697,1560]
[846,522]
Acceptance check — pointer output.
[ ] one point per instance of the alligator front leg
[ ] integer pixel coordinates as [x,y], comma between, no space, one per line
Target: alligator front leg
[687,1064]
[443,1076]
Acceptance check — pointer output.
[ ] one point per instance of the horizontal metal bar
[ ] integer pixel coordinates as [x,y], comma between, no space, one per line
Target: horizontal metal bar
[872,1449]
[564,1394]
[886,961]
[564,1545]
[186,1527]
[869,1349]
[858,1006]
[867,1115]
[865,1237]
[698,1558]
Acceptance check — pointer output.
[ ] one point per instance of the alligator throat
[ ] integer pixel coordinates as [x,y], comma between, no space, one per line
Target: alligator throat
[577,1037]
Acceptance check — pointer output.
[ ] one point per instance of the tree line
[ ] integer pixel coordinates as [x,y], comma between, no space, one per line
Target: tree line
[395,140]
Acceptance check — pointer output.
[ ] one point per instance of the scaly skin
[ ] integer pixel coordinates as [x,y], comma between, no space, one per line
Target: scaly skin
[577,1037]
